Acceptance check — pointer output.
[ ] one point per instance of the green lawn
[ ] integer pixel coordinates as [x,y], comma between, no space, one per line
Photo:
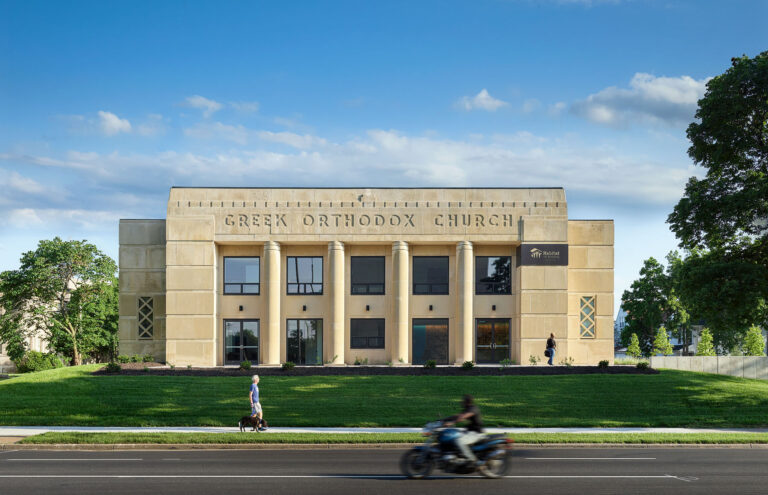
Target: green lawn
[337,438]
[72,396]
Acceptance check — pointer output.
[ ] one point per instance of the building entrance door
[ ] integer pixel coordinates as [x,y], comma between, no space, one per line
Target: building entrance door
[430,340]
[304,341]
[491,340]
[241,341]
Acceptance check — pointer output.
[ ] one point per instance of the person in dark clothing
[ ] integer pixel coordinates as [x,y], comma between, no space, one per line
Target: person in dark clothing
[551,345]
[474,431]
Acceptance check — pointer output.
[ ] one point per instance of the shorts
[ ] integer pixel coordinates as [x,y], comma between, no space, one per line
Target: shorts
[256,408]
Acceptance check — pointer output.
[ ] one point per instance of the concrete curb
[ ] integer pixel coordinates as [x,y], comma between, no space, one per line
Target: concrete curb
[361,446]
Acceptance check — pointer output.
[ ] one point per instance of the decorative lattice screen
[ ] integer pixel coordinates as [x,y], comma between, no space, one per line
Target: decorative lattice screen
[145,317]
[587,317]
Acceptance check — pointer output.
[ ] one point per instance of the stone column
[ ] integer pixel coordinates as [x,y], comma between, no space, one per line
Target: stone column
[465,307]
[271,327]
[401,294]
[337,293]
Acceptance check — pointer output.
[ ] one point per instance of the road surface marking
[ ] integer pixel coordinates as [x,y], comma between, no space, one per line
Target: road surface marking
[65,459]
[328,476]
[590,458]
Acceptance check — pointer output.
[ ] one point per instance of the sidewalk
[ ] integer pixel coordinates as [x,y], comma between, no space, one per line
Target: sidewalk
[25,431]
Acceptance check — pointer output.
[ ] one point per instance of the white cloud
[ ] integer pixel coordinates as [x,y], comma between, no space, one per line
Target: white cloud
[557,108]
[23,218]
[530,105]
[13,181]
[482,101]
[390,158]
[291,139]
[209,107]
[245,106]
[153,126]
[649,99]
[110,124]
[216,130]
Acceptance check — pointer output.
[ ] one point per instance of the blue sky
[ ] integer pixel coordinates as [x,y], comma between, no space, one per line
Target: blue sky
[105,105]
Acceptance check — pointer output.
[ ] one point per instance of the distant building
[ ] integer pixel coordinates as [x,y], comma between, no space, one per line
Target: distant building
[618,326]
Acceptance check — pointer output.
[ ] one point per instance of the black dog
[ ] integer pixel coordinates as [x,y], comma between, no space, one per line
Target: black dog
[253,422]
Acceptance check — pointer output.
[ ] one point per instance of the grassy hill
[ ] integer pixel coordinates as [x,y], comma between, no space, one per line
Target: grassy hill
[73,396]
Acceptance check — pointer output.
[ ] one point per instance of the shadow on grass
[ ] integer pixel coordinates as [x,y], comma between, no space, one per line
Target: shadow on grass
[72,396]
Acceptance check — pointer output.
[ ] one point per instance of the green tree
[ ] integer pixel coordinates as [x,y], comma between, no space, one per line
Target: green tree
[730,140]
[646,305]
[706,346]
[754,343]
[633,350]
[726,293]
[661,344]
[68,291]
[723,217]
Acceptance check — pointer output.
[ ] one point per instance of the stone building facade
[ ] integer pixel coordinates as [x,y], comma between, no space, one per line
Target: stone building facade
[343,275]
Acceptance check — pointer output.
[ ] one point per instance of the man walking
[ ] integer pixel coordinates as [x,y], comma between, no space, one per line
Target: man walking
[551,345]
[253,395]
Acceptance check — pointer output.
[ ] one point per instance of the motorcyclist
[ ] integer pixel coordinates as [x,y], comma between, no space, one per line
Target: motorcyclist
[474,431]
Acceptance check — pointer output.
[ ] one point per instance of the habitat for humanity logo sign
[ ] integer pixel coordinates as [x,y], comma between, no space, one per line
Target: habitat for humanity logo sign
[543,254]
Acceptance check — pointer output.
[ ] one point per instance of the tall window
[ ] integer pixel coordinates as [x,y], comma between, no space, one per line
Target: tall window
[587,317]
[305,275]
[146,317]
[430,274]
[241,275]
[493,275]
[304,341]
[367,275]
[366,333]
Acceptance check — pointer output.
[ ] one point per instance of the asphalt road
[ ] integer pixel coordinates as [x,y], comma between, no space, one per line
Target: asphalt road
[675,471]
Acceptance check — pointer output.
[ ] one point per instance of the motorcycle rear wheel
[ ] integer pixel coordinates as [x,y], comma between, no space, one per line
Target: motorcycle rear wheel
[416,464]
[495,466]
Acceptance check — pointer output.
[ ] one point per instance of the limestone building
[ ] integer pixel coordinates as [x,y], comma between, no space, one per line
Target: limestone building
[338,275]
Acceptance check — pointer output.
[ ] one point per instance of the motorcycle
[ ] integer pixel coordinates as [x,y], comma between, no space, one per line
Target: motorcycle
[440,449]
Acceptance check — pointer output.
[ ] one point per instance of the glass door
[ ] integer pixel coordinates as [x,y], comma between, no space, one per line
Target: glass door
[241,341]
[491,340]
[304,341]
[430,340]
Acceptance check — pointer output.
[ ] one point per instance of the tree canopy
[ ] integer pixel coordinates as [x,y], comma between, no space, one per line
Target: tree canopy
[68,291]
[728,208]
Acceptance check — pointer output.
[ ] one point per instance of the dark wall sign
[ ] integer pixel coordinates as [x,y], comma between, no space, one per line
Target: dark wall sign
[542,255]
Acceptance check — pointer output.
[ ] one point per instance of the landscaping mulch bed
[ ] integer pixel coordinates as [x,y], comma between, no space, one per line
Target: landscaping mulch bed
[161,369]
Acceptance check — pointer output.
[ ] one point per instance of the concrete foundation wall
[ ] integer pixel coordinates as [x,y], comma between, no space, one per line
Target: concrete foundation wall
[755,367]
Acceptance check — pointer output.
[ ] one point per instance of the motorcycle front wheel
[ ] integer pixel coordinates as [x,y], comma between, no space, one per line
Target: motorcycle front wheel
[416,464]
[495,466]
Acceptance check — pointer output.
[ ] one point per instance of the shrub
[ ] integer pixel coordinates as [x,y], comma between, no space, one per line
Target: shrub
[661,344]
[172,366]
[505,363]
[361,361]
[430,364]
[135,358]
[113,367]
[147,358]
[288,366]
[146,368]
[633,350]
[706,346]
[189,366]
[331,361]
[37,361]
[389,363]
[533,359]
[603,364]
[568,362]
[467,365]
[754,344]
[245,365]
[122,358]
[642,365]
